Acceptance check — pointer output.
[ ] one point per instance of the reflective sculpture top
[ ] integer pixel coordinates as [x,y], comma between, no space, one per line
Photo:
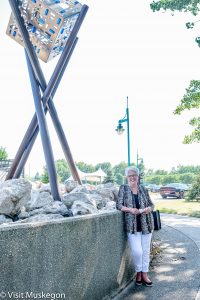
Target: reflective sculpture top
[49,23]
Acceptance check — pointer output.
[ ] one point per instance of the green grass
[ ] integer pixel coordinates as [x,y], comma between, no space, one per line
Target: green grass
[180,207]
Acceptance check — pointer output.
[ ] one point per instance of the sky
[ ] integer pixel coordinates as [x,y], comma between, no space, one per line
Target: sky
[124,49]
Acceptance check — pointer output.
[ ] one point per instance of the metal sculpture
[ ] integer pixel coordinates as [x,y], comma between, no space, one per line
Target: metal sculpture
[25,16]
[49,23]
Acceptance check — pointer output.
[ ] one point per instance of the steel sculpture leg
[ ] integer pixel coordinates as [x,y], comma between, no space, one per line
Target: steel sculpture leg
[41,79]
[32,139]
[44,133]
[28,140]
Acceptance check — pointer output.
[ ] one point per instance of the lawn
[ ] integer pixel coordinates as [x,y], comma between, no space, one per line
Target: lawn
[177,206]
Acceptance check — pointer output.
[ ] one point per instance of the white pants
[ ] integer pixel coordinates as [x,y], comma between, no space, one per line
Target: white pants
[140,250]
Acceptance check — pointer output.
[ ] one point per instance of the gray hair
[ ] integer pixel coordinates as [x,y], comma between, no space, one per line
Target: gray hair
[135,169]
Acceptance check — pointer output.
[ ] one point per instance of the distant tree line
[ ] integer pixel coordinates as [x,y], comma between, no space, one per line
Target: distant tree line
[114,174]
[183,174]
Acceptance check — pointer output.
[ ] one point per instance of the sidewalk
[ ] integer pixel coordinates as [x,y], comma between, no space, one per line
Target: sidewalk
[176,271]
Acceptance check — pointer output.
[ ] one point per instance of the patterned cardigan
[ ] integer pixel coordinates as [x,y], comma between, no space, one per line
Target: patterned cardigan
[125,199]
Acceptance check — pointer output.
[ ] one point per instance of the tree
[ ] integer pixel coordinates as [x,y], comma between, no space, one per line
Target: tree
[119,178]
[62,170]
[180,169]
[189,101]
[192,97]
[85,167]
[174,5]
[105,166]
[187,178]
[110,177]
[3,153]
[45,176]
[120,168]
[194,193]
[155,179]
[170,179]
[149,172]
[160,172]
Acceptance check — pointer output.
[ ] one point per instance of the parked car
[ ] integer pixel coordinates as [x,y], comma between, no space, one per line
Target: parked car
[153,188]
[176,190]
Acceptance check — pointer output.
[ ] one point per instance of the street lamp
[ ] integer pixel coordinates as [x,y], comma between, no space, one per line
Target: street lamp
[120,129]
[139,159]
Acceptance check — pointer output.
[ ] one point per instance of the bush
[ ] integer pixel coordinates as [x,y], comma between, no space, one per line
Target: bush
[194,193]
[3,153]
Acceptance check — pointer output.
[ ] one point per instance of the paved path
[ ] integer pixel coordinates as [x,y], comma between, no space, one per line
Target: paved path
[176,272]
[187,225]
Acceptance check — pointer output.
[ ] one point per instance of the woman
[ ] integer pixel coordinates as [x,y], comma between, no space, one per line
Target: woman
[134,200]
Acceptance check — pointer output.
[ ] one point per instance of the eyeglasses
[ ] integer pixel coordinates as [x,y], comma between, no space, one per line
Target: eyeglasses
[133,175]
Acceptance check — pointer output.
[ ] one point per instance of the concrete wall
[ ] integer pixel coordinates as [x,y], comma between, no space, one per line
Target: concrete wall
[82,257]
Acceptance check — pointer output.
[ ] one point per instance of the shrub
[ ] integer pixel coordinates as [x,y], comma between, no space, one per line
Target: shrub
[194,193]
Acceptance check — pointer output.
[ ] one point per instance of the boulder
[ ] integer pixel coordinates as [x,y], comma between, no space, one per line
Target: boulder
[68,199]
[83,208]
[112,187]
[39,199]
[45,188]
[100,201]
[58,207]
[110,205]
[115,191]
[81,189]
[55,207]
[107,193]
[41,217]
[70,185]
[62,188]
[108,185]
[14,194]
[36,184]
[4,219]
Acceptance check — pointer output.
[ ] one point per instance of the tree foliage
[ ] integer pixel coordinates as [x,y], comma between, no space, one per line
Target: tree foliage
[84,167]
[180,169]
[105,166]
[189,101]
[62,171]
[182,174]
[192,6]
[160,172]
[192,97]
[194,193]
[3,153]
[110,177]
[45,176]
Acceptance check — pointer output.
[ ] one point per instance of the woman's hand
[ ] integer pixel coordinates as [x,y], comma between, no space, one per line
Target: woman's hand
[146,210]
[134,211]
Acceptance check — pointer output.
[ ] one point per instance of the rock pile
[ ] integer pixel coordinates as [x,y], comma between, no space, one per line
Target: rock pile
[20,203]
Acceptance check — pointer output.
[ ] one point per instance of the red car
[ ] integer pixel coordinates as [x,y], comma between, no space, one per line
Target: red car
[176,190]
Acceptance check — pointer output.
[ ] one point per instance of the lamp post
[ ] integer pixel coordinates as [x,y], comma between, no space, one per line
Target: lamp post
[120,129]
[139,159]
